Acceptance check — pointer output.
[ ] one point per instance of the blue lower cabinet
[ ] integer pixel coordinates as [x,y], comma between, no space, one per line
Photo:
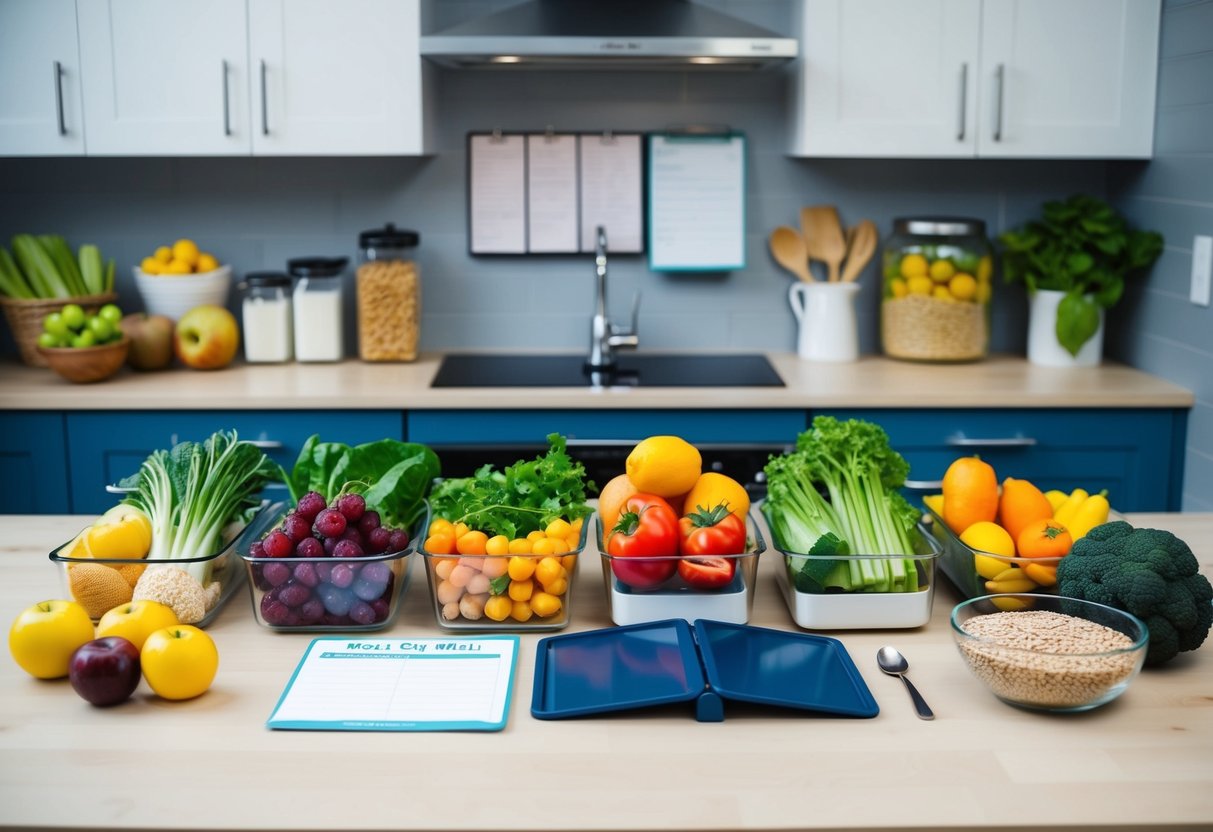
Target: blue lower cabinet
[1136,454]
[33,463]
[531,427]
[106,446]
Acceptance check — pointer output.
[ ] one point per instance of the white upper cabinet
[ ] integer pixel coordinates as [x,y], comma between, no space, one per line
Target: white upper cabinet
[336,78]
[39,79]
[1068,78]
[165,78]
[964,78]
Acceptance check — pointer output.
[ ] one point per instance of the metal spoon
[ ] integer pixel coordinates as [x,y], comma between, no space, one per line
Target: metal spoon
[893,663]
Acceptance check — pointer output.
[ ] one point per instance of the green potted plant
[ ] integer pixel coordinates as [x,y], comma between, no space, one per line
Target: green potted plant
[1074,262]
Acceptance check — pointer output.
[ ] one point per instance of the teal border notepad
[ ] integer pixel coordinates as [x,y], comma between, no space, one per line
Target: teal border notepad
[696,202]
[400,684]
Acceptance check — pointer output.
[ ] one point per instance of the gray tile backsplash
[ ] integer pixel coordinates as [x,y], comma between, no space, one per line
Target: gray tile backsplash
[257,212]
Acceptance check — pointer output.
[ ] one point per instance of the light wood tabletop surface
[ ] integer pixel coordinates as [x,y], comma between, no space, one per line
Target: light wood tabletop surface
[1145,761]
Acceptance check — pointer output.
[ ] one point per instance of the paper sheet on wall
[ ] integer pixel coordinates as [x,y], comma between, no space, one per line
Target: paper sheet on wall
[497,212]
[696,203]
[612,189]
[400,684]
[551,193]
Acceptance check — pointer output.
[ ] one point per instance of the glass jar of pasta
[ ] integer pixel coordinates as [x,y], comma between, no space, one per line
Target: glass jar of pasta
[389,295]
[938,274]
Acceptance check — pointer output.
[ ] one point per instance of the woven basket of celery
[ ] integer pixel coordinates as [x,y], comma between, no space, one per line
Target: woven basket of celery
[25,319]
[41,276]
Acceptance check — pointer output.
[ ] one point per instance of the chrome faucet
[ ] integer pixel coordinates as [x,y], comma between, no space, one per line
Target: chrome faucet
[605,337]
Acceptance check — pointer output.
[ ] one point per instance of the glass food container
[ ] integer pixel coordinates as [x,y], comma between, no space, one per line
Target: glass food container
[938,274]
[389,295]
[266,317]
[317,302]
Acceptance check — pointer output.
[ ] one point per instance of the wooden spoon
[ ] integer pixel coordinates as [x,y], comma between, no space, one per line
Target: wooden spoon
[823,236]
[862,240]
[787,247]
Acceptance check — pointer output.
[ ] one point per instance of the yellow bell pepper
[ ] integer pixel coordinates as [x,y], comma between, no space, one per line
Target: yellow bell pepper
[1069,508]
[1093,512]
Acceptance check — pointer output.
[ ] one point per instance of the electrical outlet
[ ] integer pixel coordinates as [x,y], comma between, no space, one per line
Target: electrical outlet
[1202,269]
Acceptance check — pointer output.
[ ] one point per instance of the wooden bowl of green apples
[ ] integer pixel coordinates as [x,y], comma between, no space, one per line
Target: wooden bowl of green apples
[84,348]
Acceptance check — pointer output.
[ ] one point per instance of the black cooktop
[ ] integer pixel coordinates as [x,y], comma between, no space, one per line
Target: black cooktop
[631,370]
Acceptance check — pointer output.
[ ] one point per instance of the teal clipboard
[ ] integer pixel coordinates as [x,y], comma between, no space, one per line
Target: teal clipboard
[696,202]
[402,684]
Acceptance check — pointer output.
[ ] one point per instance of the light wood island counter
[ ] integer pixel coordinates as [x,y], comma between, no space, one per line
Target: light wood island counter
[998,382]
[1144,761]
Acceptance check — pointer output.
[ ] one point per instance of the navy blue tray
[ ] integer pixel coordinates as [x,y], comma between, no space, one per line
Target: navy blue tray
[663,662]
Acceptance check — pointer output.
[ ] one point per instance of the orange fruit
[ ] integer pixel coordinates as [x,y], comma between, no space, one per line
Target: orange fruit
[1021,504]
[611,499]
[970,493]
[712,489]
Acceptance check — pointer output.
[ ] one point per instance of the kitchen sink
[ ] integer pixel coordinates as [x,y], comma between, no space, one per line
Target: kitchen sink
[630,370]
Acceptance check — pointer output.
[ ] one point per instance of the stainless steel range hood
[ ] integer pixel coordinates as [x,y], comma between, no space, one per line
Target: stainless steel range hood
[608,34]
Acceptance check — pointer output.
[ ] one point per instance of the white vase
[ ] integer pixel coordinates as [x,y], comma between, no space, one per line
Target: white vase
[1043,347]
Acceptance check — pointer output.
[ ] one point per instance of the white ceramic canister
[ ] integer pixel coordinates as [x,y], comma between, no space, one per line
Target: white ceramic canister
[1043,347]
[266,318]
[826,315]
[318,302]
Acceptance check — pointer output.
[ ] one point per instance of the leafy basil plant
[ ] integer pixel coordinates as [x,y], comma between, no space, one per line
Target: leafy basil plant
[1082,247]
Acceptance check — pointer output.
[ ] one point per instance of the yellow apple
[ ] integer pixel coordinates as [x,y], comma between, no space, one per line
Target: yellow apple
[136,620]
[179,662]
[207,337]
[44,636]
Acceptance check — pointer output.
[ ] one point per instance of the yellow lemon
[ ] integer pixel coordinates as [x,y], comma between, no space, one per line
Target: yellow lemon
[128,536]
[150,265]
[913,265]
[164,254]
[942,293]
[186,251]
[920,285]
[177,267]
[985,268]
[942,271]
[898,287]
[667,466]
[206,262]
[988,538]
[963,286]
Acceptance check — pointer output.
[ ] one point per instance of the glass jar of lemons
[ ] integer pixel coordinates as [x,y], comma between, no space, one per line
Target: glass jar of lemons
[938,274]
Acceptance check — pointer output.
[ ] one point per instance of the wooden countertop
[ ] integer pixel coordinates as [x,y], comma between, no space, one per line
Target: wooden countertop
[1144,761]
[998,382]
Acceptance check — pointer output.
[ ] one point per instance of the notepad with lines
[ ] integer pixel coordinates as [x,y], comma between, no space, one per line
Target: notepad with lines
[400,684]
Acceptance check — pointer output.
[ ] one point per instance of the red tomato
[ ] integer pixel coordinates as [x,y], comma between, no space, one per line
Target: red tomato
[711,532]
[707,572]
[644,542]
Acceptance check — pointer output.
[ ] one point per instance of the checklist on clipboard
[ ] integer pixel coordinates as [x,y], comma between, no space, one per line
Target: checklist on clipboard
[696,202]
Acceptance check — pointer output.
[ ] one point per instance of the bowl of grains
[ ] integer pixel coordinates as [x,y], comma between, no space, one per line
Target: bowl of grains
[1049,653]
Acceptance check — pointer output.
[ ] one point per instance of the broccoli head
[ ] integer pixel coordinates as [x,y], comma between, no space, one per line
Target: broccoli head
[1148,572]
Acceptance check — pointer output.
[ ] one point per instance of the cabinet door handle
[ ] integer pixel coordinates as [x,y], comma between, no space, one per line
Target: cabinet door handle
[964,88]
[961,441]
[265,107]
[267,444]
[59,98]
[1000,78]
[923,485]
[117,489]
[227,115]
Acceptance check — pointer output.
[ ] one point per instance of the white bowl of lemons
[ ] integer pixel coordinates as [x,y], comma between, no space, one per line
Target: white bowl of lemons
[176,278]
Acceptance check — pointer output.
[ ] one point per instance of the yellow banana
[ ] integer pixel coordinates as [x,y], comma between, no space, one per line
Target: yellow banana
[1020,585]
[1066,513]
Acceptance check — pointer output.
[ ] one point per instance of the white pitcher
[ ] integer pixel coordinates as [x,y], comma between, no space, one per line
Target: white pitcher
[826,314]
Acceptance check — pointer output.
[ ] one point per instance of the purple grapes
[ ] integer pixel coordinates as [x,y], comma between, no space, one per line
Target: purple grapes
[331,588]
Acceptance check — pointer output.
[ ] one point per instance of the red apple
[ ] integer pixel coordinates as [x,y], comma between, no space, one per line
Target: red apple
[151,340]
[207,337]
[105,671]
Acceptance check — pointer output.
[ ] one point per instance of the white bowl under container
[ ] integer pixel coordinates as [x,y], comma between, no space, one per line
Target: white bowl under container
[172,295]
